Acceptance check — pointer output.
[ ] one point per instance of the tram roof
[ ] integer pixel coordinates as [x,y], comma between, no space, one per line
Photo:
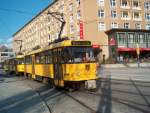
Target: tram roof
[64,43]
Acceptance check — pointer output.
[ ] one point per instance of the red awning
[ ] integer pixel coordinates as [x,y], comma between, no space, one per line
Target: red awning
[132,49]
[125,49]
[144,49]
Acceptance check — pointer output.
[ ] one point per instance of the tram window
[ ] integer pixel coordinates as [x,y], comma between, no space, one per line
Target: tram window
[28,59]
[83,54]
[48,57]
[20,61]
[37,60]
[66,56]
[42,59]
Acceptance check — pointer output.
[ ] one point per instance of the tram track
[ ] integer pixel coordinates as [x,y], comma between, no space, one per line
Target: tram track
[80,102]
[41,97]
[118,100]
[84,104]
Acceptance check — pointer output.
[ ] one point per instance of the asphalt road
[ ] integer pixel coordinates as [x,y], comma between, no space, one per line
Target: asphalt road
[18,95]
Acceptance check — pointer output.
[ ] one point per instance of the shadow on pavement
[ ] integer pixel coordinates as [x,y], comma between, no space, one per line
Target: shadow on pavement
[105,102]
[126,97]
[27,101]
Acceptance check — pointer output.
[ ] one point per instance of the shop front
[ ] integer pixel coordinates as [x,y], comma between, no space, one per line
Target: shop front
[126,43]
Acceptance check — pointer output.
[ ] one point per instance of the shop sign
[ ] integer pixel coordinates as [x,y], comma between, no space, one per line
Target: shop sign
[112,42]
[81,30]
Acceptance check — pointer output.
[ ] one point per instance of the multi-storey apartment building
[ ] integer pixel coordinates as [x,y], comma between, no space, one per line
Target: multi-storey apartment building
[85,19]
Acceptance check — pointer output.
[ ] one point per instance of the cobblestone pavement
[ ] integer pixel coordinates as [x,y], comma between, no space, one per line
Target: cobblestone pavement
[18,95]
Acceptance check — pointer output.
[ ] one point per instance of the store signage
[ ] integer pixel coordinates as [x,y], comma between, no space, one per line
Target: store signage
[112,42]
[95,46]
[81,30]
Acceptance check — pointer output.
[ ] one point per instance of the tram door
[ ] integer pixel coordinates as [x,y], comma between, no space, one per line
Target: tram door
[58,71]
[33,66]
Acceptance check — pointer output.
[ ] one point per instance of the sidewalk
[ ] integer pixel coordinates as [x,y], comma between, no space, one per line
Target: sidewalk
[121,72]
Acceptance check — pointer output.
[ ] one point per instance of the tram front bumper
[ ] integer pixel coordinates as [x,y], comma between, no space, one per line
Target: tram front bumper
[90,84]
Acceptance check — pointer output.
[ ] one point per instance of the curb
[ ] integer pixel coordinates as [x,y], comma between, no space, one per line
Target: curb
[142,65]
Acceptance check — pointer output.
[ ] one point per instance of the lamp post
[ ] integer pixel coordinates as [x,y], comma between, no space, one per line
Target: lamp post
[20,44]
[138,54]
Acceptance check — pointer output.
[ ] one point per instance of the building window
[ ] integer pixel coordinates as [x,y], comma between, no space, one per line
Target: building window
[78,14]
[136,15]
[4,54]
[71,29]
[126,25]
[148,39]
[78,2]
[147,16]
[137,26]
[124,3]
[124,14]
[147,5]
[122,39]
[101,13]
[113,3]
[71,7]
[130,38]
[49,36]
[61,9]
[114,25]
[101,26]
[148,26]
[100,2]
[135,3]
[71,18]
[113,14]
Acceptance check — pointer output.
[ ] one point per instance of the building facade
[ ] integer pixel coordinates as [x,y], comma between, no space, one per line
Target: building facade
[85,19]
[6,55]
[127,44]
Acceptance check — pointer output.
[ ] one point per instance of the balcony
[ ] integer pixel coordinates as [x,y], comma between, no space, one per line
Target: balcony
[125,18]
[137,18]
[136,8]
[124,6]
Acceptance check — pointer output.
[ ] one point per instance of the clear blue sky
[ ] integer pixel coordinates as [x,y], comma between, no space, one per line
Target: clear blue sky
[13,15]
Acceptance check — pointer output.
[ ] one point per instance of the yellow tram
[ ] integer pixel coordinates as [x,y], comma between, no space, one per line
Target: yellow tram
[19,64]
[66,63]
[10,65]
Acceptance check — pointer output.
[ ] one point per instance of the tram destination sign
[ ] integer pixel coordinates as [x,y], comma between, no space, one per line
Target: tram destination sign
[81,43]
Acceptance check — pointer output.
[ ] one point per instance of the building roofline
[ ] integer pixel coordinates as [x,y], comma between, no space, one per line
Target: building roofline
[35,17]
[125,30]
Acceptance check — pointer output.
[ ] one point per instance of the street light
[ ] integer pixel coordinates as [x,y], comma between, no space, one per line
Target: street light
[20,45]
[138,54]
